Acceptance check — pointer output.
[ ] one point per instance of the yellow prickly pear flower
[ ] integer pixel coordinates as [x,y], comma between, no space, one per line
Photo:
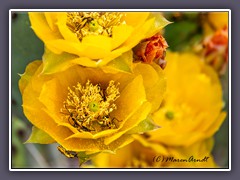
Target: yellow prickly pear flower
[192,108]
[90,110]
[189,116]
[92,39]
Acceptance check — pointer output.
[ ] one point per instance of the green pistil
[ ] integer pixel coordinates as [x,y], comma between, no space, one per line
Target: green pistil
[93,26]
[169,115]
[93,106]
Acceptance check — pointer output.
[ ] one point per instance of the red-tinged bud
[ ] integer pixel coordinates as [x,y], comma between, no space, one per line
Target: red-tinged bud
[152,49]
[216,50]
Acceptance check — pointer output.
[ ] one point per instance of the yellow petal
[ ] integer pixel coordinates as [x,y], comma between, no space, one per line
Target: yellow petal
[97,145]
[51,20]
[29,72]
[133,121]
[131,17]
[134,96]
[96,47]
[159,23]
[157,147]
[39,136]
[65,46]
[60,62]
[36,116]
[154,82]
[121,63]
[67,34]
[121,142]
[216,125]
[87,135]
[120,34]
[40,26]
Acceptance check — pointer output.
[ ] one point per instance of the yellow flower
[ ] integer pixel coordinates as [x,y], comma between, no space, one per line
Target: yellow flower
[144,154]
[192,108]
[89,109]
[189,116]
[215,21]
[92,39]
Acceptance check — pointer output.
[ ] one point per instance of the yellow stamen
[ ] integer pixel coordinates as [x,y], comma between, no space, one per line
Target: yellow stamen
[93,23]
[88,107]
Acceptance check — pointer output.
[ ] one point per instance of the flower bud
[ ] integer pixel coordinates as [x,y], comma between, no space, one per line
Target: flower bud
[216,50]
[152,49]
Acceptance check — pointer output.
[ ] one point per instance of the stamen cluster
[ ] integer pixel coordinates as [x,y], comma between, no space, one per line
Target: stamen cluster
[93,23]
[88,107]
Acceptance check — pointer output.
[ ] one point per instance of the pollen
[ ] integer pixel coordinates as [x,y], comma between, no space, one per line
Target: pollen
[88,108]
[93,23]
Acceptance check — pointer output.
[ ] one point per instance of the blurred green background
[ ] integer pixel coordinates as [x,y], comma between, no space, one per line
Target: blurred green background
[183,34]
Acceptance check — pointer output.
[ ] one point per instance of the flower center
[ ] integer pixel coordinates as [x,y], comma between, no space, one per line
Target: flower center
[169,115]
[93,23]
[88,107]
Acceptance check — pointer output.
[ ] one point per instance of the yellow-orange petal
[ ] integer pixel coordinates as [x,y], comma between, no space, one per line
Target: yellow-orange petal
[29,72]
[131,17]
[67,34]
[134,96]
[154,82]
[133,121]
[120,34]
[40,26]
[60,62]
[51,20]
[96,47]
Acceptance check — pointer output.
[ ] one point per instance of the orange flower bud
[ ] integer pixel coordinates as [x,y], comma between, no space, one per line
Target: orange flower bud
[152,49]
[216,50]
